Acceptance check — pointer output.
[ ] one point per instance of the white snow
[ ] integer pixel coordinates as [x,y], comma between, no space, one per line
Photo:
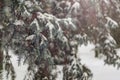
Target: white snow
[19,22]
[110,40]
[106,1]
[30,37]
[111,22]
[1,27]
[26,13]
[50,27]
[36,23]
[28,3]
[68,21]
[100,71]
[60,73]
[86,53]
[20,70]
[74,8]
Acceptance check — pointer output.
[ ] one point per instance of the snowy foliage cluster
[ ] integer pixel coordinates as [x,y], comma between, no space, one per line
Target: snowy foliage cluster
[46,33]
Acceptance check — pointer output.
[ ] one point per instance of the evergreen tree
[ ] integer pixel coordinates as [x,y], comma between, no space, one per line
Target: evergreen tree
[47,33]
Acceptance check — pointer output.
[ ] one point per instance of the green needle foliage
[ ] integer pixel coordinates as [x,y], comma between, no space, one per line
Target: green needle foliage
[47,33]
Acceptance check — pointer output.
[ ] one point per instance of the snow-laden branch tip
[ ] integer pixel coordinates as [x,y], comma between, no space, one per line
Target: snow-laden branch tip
[19,22]
[110,40]
[69,22]
[50,26]
[30,37]
[1,27]
[26,13]
[28,3]
[111,23]
[36,23]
